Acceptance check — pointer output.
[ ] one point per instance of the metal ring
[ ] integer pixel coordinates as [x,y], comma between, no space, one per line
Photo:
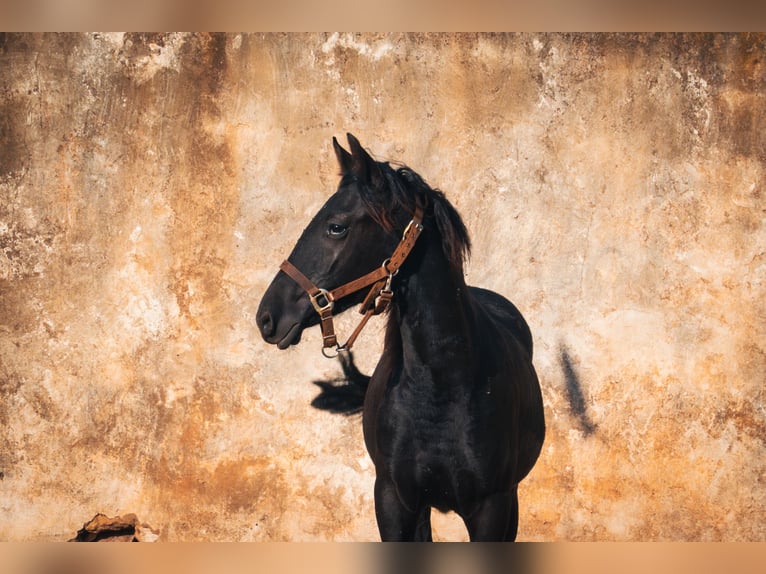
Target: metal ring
[324,352]
[385,268]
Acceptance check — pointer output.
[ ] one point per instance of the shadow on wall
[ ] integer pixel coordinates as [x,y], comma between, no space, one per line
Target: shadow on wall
[574,394]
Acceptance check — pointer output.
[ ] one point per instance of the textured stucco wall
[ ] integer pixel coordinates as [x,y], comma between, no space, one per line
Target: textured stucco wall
[150,186]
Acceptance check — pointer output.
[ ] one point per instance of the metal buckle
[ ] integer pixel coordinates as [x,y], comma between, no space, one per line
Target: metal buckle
[410,225]
[321,307]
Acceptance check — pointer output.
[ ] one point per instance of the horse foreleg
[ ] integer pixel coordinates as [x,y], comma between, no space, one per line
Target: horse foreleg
[396,522]
[496,518]
[513,519]
[423,529]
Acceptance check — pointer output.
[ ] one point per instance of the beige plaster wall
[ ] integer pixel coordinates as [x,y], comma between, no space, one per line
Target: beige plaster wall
[150,186]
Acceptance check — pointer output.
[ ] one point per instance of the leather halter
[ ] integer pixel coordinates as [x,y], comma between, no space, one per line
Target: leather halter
[377,299]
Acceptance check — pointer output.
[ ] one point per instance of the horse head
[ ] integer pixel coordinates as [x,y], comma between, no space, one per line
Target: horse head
[350,235]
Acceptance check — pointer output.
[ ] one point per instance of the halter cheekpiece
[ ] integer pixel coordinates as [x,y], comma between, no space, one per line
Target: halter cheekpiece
[377,299]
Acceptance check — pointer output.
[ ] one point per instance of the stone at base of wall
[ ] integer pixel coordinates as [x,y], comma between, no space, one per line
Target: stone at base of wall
[126,528]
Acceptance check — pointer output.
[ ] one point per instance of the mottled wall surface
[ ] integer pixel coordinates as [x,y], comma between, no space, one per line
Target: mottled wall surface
[151,184]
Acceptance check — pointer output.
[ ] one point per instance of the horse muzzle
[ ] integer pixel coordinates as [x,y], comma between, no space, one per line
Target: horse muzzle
[280,323]
[279,332]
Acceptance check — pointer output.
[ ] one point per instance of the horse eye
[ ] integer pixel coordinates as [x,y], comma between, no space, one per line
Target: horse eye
[337,231]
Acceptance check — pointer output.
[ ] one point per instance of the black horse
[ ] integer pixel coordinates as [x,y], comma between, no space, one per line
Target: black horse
[453,415]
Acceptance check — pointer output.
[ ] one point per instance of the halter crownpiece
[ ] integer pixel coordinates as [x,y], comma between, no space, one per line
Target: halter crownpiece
[376,301]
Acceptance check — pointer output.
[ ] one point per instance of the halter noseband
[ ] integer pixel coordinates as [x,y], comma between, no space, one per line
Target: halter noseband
[377,299]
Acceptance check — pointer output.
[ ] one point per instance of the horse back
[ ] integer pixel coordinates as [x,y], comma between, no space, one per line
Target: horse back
[505,315]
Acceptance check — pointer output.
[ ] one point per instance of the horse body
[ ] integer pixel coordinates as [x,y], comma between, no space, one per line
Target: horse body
[453,415]
[452,418]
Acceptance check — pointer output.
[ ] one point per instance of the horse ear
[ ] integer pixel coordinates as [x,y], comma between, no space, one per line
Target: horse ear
[344,158]
[364,167]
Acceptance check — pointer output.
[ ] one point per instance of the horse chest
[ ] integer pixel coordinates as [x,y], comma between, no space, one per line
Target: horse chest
[432,454]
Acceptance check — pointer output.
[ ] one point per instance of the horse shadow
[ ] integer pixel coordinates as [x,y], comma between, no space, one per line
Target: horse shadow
[573,388]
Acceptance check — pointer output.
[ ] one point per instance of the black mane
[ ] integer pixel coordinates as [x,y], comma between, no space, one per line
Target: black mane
[393,199]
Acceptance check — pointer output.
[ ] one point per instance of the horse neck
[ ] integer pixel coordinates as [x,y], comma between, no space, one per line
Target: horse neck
[432,316]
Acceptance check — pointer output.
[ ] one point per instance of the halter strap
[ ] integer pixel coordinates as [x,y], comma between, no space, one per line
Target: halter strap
[377,299]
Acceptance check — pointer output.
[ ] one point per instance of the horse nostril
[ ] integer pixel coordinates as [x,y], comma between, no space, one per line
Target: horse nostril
[266,324]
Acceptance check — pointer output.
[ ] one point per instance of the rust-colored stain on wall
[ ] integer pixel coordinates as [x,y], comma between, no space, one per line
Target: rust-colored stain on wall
[150,184]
